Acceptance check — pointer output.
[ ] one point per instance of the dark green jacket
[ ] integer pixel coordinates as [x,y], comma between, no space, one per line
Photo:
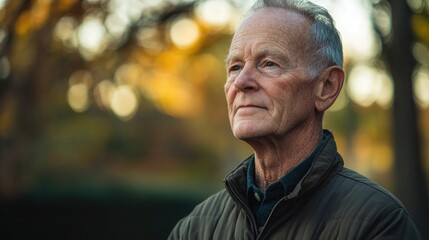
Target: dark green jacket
[330,202]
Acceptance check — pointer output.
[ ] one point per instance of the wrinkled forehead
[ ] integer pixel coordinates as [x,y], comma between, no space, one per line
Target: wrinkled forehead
[282,28]
[282,19]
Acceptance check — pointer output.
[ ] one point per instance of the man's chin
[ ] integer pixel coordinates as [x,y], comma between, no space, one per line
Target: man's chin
[246,135]
[245,130]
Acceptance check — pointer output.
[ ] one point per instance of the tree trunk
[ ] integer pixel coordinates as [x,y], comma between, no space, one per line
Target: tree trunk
[409,178]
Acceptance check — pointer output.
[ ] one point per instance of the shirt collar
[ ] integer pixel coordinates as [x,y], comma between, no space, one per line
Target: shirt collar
[290,179]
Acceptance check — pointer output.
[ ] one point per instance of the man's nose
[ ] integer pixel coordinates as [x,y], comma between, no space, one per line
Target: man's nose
[246,79]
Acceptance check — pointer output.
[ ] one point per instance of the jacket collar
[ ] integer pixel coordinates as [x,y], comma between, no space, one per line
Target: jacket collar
[320,170]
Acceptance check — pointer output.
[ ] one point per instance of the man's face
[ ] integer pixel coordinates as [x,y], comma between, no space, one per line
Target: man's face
[268,91]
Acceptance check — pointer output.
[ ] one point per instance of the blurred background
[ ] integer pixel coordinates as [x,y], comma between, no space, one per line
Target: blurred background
[113,122]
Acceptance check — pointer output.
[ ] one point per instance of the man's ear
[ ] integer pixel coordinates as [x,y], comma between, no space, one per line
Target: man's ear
[328,87]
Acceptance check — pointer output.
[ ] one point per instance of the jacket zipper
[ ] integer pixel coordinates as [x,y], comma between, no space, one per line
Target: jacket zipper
[249,213]
[271,213]
[246,209]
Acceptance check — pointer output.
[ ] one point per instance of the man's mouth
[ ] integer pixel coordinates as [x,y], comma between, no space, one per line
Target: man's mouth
[248,107]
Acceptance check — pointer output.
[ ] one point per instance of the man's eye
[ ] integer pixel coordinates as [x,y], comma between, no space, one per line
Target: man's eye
[234,68]
[270,64]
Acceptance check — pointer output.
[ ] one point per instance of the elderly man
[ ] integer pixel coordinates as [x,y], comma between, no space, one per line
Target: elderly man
[284,69]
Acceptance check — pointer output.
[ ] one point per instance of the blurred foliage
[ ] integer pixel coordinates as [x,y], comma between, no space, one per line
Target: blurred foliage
[177,133]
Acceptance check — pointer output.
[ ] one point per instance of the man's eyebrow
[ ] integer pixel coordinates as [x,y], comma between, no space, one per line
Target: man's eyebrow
[276,52]
[261,54]
[229,58]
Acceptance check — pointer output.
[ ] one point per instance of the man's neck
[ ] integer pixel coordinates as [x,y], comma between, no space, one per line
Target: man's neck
[274,160]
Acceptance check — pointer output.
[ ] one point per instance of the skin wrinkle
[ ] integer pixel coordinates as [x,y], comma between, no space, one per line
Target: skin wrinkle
[285,126]
[234,53]
[301,39]
[264,178]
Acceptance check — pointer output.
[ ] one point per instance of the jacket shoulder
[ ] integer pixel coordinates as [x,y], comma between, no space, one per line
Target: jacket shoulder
[366,190]
[206,218]
[369,209]
[213,205]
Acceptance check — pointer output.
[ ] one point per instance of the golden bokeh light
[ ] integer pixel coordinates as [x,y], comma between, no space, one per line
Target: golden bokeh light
[65,31]
[184,33]
[129,73]
[2,3]
[421,87]
[124,102]
[367,85]
[421,53]
[129,10]
[385,92]
[382,19]
[103,93]
[116,25]
[92,37]
[78,92]
[216,14]
[416,5]
[360,85]
[78,98]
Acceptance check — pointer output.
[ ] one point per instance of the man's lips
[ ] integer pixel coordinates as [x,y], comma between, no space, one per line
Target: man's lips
[249,106]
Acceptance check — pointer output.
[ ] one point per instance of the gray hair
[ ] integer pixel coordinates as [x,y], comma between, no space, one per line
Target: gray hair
[325,41]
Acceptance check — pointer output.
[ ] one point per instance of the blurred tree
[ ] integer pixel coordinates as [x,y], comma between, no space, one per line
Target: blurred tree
[409,171]
[114,60]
